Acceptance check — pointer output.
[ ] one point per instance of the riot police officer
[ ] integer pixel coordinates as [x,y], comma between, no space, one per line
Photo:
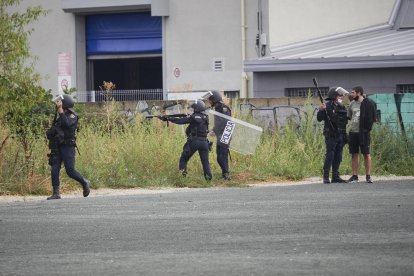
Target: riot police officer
[222,150]
[196,133]
[62,142]
[334,113]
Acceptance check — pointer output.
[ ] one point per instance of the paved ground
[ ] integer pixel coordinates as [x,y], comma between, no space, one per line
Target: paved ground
[315,229]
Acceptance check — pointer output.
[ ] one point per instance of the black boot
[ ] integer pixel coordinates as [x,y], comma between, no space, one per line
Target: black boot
[86,188]
[226,176]
[208,177]
[337,179]
[326,177]
[56,193]
[183,172]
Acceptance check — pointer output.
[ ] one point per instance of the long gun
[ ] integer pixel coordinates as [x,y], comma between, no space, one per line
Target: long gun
[315,82]
[166,117]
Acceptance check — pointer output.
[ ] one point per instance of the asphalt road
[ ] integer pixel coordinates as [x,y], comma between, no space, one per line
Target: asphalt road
[313,229]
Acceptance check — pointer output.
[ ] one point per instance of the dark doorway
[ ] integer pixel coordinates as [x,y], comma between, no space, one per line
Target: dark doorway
[128,73]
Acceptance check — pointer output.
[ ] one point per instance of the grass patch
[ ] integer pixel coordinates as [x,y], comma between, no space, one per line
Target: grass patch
[145,154]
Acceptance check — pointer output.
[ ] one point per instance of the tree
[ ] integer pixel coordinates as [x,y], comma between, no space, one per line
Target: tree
[23,101]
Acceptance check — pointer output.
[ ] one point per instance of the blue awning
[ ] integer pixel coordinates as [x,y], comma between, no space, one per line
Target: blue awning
[124,33]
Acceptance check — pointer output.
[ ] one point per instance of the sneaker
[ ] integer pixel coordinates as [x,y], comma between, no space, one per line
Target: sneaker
[353,179]
[369,180]
[183,172]
[226,176]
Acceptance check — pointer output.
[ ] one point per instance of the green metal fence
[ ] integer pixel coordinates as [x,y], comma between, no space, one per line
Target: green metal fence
[396,109]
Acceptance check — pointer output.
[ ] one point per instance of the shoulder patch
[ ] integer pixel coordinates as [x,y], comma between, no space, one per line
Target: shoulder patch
[72,116]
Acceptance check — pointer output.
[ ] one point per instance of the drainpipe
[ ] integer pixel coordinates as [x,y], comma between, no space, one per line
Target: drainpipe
[244,77]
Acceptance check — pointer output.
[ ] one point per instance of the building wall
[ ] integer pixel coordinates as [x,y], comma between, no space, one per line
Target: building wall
[273,84]
[196,33]
[52,34]
[300,20]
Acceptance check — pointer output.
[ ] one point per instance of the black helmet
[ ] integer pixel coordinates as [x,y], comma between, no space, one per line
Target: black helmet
[198,106]
[67,102]
[213,96]
[332,93]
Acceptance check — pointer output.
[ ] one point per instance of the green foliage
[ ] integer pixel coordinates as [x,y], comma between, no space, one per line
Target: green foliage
[394,151]
[24,104]
[20,92]
[146,154]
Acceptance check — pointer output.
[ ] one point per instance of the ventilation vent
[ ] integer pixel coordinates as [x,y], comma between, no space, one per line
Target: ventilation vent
[218,65]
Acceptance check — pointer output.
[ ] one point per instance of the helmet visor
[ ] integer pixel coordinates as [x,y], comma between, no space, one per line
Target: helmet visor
[342,91]
[58,98]
[207,95]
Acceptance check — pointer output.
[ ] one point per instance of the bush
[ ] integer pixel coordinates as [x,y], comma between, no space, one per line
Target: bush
[146,154]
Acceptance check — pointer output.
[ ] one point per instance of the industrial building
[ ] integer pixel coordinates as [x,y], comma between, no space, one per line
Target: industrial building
[246,48]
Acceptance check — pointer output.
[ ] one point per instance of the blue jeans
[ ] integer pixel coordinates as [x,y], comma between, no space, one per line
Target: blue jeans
[66,154]
[333,155]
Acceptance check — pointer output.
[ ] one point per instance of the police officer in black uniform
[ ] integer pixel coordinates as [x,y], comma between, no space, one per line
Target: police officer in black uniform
[62,142]
[222,150]
[196,132]
[334,113]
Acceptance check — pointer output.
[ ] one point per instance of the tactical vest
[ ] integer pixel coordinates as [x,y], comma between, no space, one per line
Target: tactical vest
[69,132]
[337,121]
[341,118]
[198,126]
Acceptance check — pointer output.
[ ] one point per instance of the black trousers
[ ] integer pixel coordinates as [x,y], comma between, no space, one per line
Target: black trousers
[333,155]
[193,145]
[223,158]
[66,154]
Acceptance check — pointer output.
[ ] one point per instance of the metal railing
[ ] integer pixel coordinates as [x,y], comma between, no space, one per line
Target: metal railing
[119,95]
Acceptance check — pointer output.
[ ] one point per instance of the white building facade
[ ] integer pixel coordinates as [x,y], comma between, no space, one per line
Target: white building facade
[191,45]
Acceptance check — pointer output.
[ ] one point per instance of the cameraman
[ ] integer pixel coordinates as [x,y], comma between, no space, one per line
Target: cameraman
[62,142]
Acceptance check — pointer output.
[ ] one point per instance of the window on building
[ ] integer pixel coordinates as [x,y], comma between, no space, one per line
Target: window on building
[304,91]
[232,94]
[405,88]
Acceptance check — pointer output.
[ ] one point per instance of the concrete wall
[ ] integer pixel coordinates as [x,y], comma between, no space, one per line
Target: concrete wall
[196,33]
[273,84]
[52,34]
[299,20]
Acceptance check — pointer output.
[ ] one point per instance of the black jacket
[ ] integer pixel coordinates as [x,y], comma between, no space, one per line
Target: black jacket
[368,115]
[336,123]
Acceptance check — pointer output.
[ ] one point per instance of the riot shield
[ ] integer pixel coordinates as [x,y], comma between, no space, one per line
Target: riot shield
[235,134]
